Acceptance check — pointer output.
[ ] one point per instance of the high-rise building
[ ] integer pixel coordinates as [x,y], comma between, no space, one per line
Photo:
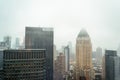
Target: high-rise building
[6,43]
[94,62]
[99,55]
[3,45]
[67,58]
[27,64]
[1,59]
[17,43]
[70,49]
[94,54]
[83,56]
[55,53]
[112,65]
[7,40]
[103,68]
[118,50]
[41,38]
[59,69]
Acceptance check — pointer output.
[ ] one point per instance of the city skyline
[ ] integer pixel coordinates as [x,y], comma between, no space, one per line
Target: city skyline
[100,19]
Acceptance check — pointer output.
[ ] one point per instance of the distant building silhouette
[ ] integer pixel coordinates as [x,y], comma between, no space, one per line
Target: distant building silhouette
[67,58]
[6,43]
[99,55]
[17,43]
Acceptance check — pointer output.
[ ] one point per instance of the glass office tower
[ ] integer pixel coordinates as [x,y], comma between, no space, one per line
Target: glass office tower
[41,38]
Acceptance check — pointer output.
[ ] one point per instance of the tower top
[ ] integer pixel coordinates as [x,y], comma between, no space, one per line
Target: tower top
[83,33]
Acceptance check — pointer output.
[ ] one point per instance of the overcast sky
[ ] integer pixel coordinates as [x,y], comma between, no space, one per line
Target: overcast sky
[101,18]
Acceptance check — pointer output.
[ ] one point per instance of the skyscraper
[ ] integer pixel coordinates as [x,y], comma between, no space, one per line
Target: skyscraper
[67,58]
[83,56]
[1,59]
[17,43]
[55,52]
[41,38]
[99,55]
[6,43]
[112,65]
[59,67]
[7,40]
[118,50]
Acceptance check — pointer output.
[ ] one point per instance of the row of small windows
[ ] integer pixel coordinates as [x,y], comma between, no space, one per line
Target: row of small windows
[26,55]
[23,66]
[26,77]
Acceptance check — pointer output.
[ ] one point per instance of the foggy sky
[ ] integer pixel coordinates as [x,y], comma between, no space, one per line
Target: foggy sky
[101,18]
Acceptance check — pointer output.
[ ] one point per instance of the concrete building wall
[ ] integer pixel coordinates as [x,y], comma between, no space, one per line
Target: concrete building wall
[24,64]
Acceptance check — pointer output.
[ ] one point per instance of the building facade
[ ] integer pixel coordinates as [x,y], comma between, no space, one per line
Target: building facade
[6,43]
[83,56]
[41,38]
[67,58]
[1,59]
[112,65]
[17,43]
[24,64]
[7,40]
[99,56]
[59,69]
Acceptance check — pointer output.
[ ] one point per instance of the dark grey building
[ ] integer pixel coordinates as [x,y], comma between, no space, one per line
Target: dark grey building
[1,59]
[112,65]
[41,38]
[1,64]
[67,58]
[27,64]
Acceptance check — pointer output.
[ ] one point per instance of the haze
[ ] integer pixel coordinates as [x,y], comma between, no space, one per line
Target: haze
[99,17]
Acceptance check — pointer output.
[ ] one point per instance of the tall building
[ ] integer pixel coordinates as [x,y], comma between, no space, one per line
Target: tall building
[59,70]
[1,59]
[1,64]
[112,65]
[7,40]
[3,45]
[94,54]
[103,68]
[118,50]
[55,52]
[6,43]
[83,56]
[70,49]
[41,38]
[17,43]
[67,58]
[27,64]
[99,55]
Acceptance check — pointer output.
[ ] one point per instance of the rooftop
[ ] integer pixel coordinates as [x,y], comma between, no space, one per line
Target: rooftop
[83,33]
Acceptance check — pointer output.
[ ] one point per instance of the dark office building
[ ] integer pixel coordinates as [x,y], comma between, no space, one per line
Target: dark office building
[67,58]
[24,64]
[1,59]
[112,64]
[41,38]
